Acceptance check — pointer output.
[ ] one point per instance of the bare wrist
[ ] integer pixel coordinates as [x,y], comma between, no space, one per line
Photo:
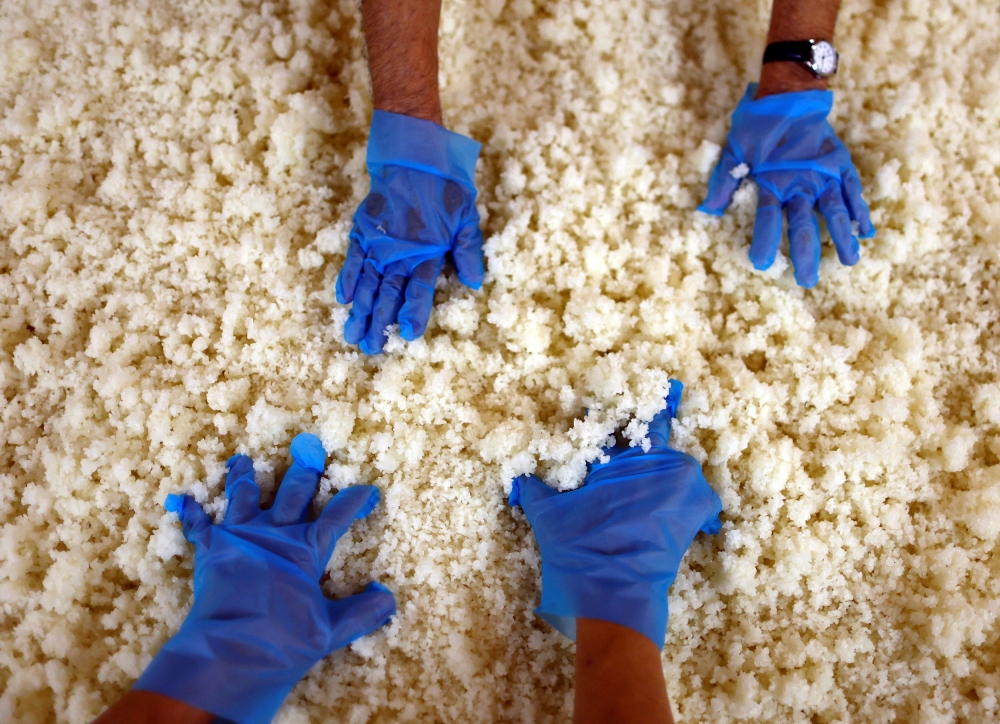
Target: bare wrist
[787,77]
[428,110]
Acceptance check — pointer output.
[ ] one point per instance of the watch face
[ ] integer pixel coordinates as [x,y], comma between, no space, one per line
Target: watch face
[824,58]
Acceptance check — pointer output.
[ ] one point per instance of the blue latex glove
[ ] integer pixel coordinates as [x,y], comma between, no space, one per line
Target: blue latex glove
[611,548]
[798,163]
[260,619]
[421,205]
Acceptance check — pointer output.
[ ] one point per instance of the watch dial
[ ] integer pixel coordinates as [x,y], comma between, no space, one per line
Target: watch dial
[824,58]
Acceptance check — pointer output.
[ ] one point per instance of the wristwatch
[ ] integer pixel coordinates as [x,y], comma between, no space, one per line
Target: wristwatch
[819,56]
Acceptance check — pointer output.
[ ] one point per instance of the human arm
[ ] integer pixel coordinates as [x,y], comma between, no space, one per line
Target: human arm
[610,551]
[619,676]
[146,707]
[421,205]
[242,647]
[401,37]
[780,137]
[796,20]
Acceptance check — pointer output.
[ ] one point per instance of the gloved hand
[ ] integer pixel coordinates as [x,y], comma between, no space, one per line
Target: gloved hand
[421,205]
[786,145]
[611,548]
[260,619]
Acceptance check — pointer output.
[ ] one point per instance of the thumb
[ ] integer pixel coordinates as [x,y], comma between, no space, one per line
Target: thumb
[713,523]
[528,491]
[722,184]
[468,253]
[194,520]
[359,615]
[659,426]
[350,504]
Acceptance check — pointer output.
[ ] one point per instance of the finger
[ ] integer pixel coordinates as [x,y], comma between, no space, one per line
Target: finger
[803,240]
[766,230]
[241,490]
[659,426]
[529,491]
[350,273]
[361,310]
[386,309]
[714,524]
[468,254]
[347,506]
[721,184]
[452,196]
[856,203]
[194,520]
[416,310]
[291,504]
[838,222]
[359,615]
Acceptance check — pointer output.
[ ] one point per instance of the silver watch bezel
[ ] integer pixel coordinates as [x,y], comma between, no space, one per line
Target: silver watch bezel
[813,63]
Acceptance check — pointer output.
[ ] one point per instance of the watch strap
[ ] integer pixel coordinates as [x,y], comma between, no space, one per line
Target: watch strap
[799,51]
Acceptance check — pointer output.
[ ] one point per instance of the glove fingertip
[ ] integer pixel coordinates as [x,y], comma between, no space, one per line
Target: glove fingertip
[369,348]
[354,339]
[674,396]
[514,499]
[413,319]
[376,586]
[384,604]
[703,208]
[374,496]
[236,460]
[475,285]
[307,450]
[347,284]
[354,329]
[339,291]
[470,271]
[713,526]
[174,503]
[530,490]
[807,281]
[659,426]
[193,519]
[764,246]
[406,331]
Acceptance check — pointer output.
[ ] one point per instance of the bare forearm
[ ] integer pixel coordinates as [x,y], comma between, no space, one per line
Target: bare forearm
[797,20]
[402,37]
[619,677]
[145,707]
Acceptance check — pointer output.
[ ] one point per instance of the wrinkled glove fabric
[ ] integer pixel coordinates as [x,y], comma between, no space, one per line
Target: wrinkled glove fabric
[260,620]
[421,205]
[611,548]
[791,151]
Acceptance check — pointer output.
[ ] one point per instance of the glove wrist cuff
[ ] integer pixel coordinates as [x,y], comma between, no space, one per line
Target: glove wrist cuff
[568,596]
[238,689]
[793,104]
[398,140]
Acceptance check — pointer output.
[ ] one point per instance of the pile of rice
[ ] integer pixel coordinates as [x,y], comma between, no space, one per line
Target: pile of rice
[176,186]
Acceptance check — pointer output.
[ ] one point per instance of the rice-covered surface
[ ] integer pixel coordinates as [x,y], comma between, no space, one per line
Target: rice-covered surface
[176,186]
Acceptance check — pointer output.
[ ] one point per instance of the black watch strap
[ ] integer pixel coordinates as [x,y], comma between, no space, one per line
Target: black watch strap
[796,50]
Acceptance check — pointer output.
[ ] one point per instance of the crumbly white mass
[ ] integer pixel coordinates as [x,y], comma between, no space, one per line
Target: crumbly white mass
[740,171]
[176,186]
